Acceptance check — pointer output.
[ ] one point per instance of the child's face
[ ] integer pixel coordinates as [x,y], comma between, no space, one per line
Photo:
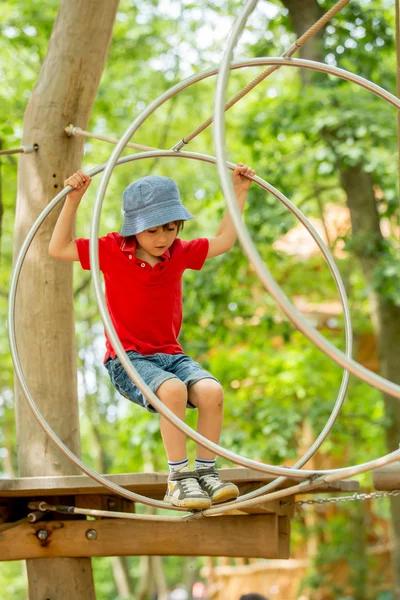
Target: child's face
[157,240]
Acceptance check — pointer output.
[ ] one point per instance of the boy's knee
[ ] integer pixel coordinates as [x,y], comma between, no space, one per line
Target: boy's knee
[207,392]
[172,392]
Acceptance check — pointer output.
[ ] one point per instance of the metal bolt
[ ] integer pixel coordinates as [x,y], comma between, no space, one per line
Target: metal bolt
[42,535]
[91,534]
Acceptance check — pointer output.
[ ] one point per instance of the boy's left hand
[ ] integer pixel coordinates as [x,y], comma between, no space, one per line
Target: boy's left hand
[240,182]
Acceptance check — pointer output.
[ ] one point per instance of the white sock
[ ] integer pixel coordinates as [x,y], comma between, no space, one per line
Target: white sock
[204,463]
[177,465]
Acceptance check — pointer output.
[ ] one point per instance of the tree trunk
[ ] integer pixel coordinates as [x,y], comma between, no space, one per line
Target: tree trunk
[302,19]
[385,317]
[119,565]
[64,93]
[121,577]
[145,578]
[359,574]
[368,245]
[159,582]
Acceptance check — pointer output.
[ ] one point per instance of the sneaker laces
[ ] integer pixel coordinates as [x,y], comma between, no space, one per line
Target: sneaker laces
[210,478]
[190,485]
[188,479]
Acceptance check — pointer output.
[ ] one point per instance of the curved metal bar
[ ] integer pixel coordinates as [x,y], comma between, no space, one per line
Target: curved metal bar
[307,485]
[253,255]
[13,345]
[257,496]
[339,402]
[132,371]
[95,264]
[21,377]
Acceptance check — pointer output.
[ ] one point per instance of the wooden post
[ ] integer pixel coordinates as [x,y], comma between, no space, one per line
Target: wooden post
[64,93]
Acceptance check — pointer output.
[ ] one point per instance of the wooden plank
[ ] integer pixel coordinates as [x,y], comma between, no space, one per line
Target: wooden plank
[387,478]
[103,502]
[284,536]
[148,484]
[249,536]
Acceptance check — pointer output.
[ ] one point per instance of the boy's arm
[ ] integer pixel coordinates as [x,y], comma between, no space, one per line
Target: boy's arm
[62,244]
[226,234]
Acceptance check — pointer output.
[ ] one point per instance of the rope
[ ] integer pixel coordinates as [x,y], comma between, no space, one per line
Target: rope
[32,517]
[91,512]
[22,150]
[71,130]
[250,86]
[7,526]
[305,486]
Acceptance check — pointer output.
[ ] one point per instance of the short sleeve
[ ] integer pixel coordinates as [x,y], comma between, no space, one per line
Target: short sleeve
[195,253]
[82,245]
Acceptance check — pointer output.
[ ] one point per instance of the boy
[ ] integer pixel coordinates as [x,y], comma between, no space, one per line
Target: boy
[143,268]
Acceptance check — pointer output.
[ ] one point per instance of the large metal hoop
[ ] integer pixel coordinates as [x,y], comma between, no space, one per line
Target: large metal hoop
[319,340]
[13,291]
[253,255]
[95,264]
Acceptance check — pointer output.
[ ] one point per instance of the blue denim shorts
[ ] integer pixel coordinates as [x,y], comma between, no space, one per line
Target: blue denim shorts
[154,370]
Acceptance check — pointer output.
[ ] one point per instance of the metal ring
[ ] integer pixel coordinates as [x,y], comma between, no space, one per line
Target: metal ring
[253,255]
[143,388]
[95,266]
[13,290]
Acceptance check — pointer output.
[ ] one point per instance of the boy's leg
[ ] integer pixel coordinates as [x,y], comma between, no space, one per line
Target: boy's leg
[207,395]
[183,485]
[173,393]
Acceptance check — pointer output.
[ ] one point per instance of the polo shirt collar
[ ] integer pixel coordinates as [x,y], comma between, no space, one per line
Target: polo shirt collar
[129,244]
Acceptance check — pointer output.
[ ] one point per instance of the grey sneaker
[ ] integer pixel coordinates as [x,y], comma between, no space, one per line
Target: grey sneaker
[184,490]
[218,491]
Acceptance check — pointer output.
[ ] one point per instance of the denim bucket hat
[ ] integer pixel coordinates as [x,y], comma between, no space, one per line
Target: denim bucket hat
[151,201]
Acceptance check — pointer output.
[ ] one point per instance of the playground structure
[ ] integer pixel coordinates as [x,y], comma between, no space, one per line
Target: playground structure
[259,514]
[260,531]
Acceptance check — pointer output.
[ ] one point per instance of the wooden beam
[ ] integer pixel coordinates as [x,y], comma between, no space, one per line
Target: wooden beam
[148,484]
[386,478]
[284,537]
[255,536]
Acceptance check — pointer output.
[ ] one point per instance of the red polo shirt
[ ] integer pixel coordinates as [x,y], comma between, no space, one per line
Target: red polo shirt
[145,302]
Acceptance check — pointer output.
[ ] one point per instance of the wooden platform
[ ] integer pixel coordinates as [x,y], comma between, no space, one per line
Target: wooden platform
[262,531]
[387,478]
[148,484]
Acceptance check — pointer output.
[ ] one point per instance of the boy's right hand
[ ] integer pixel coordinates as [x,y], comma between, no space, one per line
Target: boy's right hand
[80,182]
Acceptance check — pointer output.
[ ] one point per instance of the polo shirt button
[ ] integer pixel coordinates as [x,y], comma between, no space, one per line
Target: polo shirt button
[142,264]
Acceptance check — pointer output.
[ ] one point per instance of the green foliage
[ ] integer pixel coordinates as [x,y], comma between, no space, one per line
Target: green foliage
[13,580]
[386,277]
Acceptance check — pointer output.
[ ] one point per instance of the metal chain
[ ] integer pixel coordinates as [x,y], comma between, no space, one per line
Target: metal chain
[336,499]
